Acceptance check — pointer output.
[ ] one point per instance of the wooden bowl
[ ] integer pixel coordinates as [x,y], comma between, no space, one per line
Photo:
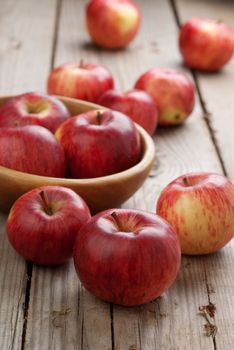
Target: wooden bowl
[99,193]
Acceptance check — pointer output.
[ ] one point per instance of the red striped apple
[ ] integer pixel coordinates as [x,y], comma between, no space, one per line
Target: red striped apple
[205,44]
[136,104]
[33,109]
[84,81]
[44,223]
[172,91]
[200,208]
[31,149]
[99,143]
[127,257]
[112,24]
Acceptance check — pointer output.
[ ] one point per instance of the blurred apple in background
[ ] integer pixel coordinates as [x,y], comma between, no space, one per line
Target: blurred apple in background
[112,24]
[200,208]
[85,81]
[31,149]
[126,256]
[99,143]
[33,108]
[44,223]
[205,44]
[172,91]
[136,104]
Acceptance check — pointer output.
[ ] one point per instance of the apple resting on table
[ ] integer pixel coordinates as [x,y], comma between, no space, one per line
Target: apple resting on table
[31,149]
[112,24]
[44,223]
[200,208]
[172,91]
[99,143]
[127,257]
[84,81]
[33,109]
[205,44]
[136,104]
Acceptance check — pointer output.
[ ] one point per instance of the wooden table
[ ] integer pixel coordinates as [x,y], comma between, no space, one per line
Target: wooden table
[47,308]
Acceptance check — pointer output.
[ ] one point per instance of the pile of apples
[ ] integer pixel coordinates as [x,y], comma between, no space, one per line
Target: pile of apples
[124,256]
[160,96]
[43,139]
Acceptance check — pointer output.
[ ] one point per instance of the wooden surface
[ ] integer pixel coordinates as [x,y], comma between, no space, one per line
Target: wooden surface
[45,308]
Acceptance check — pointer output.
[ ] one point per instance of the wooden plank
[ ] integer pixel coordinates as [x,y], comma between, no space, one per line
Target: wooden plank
[217,94]
[60,311]
[26,41]
[24,62]
[12,292]
[216,89]
[171,322]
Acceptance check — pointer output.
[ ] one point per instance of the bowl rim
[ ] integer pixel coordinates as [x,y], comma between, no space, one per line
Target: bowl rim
[147,157]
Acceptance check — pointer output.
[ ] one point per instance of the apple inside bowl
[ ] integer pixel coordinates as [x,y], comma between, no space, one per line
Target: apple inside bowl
[99,193]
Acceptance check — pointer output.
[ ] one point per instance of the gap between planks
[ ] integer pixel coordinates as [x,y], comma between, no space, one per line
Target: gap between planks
[29,273]
[56,31]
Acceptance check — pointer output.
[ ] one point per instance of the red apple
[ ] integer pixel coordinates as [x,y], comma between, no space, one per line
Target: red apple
[85,81]
[136,104]
[33,109]
[127,257]
[99,143]
[172,91]
[200,208]
[31,149]
[112,24]
[43,224]
[206,44]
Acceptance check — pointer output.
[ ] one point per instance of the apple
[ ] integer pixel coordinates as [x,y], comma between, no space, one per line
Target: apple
[126,256]
[200,208]
[85,81]
[172,91]
[112,24]
[205,44]
[44,223]
[33,109]
[136,104]
[31,149]
[99,143]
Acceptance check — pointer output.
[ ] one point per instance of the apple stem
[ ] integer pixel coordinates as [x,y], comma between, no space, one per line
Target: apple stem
[98,117]
[185,181]
[117,220]
[45,204]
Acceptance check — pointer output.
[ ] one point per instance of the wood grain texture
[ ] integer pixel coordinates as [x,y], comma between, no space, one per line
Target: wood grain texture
[62,315]
[172,321]
[26,39]
[217,94]
[12,292]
